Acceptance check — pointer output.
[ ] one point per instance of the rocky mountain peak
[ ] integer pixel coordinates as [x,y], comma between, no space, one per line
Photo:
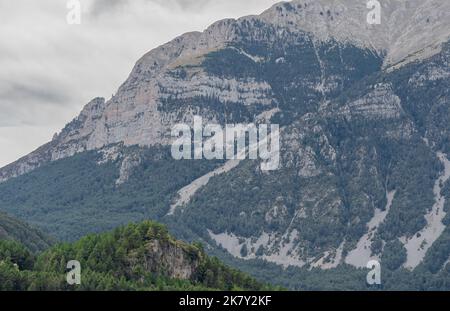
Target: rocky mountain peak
[134,117]
[404,32]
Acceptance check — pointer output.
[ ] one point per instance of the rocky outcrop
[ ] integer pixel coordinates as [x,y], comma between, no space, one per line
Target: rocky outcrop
[166,258]
[126,168]
[381,103]
[403,34]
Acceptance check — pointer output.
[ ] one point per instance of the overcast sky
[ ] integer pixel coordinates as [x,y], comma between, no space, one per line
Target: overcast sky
[49,70]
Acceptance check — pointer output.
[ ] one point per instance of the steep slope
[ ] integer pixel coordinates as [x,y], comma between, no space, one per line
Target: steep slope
[92,192]
[139,112]
[402,36]
[135,257]
[13,229]
[378,150]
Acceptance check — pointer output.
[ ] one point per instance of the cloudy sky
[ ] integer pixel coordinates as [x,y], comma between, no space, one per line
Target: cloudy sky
[49,70]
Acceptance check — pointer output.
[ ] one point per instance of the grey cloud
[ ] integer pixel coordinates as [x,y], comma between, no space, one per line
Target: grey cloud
[185,4]
[39,93]
[50,70]
[31,103]
[100,7]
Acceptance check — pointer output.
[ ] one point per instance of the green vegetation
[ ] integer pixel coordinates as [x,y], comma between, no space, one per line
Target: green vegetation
[13,229]
[394,255]
[343,278]
[135,257]
[77,196]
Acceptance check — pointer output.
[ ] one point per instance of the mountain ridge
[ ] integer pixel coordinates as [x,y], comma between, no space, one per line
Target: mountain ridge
[100,122]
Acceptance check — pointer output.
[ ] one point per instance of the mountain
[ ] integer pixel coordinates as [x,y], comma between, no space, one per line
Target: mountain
[364,116]
[136,257]
[13,229]
[140,112]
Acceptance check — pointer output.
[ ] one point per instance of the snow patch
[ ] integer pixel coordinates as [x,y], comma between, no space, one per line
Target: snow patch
[186,193]
[418,245]
[362,254]
[256,59]
[283,253]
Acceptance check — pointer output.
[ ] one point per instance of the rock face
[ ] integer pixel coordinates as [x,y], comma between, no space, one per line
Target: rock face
[363,109]
[404,32]
[135,115]
[167,259]
[381,103]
